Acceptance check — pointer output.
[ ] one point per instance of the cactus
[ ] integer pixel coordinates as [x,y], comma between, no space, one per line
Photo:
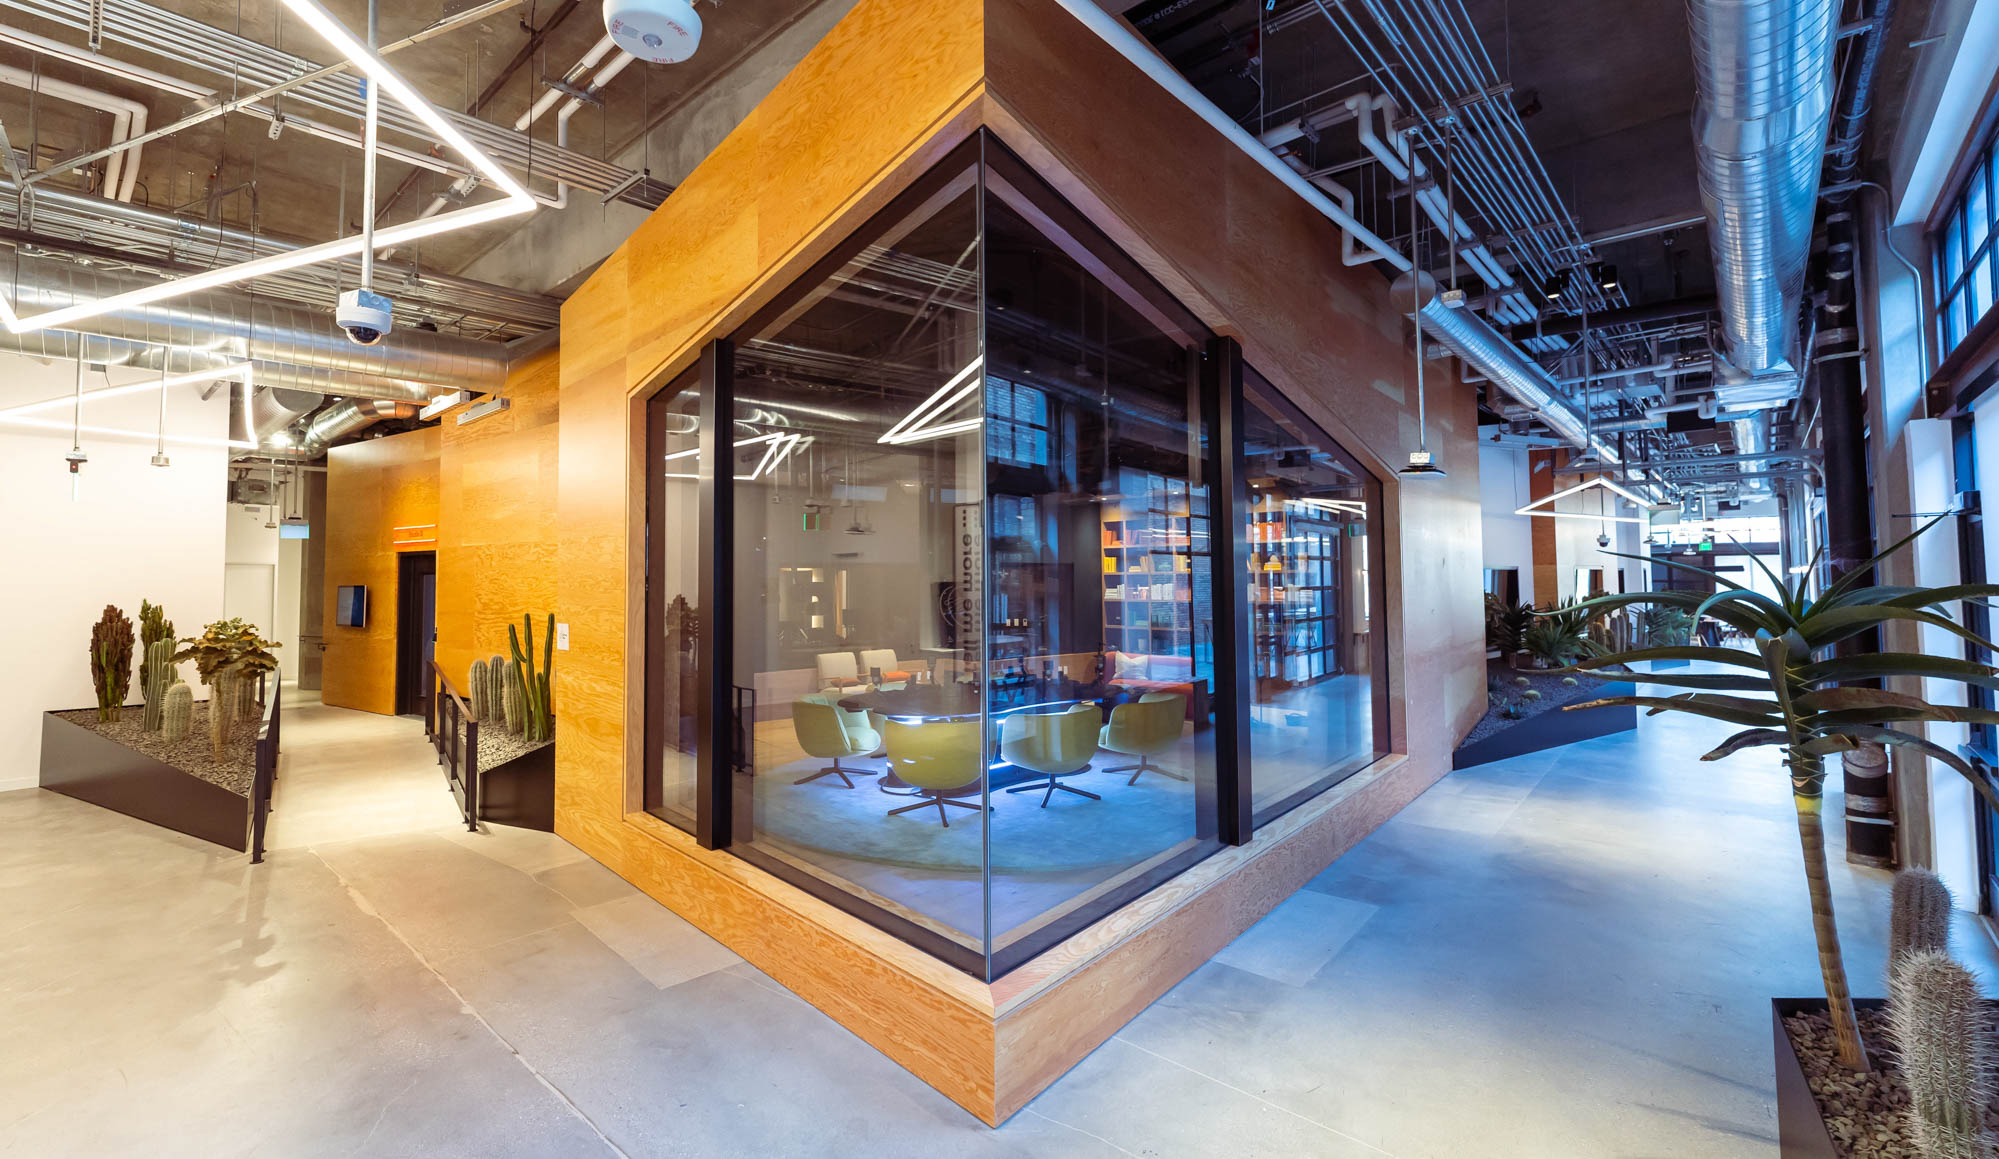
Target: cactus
[1919,915]
[111,661]
[158,673]
[221,702]
[176,711]
[537,692]
[510,701]
[478,685]
[496,685]
[247,704]
[1944,1033]
[153,627]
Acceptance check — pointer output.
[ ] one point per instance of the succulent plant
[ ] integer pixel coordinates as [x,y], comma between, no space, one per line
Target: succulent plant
[153,627]
[1918,915]
[479,687]
[1569,682]
[496,686]
[1943,1031]
[537,700]
[176,712]
[111,661]
[221,710]
[1531,694]
[1512,712]
[157,673]
[1522,681]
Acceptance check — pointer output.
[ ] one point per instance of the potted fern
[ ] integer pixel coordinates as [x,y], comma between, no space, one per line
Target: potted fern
[1794,694]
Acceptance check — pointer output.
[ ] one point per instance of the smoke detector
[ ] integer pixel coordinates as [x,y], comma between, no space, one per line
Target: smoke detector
[655,31]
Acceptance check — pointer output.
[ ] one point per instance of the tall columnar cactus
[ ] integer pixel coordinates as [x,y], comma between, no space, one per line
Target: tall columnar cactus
[177,712]
[1944,1033]
[221,710]
[537,701]
[480,687]
[158,673]
[510,701]
[1919,916]
[496,685]
[111,661]
[153,627]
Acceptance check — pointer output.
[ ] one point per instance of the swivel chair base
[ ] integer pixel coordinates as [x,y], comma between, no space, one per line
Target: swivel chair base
[940,802]
[1143,767]
[834,770]
[1052,783]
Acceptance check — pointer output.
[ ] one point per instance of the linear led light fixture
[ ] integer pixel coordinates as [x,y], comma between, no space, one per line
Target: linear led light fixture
[1535,508]
[778,447]
[130,388]
[915,427]
[473,414]
[517,200]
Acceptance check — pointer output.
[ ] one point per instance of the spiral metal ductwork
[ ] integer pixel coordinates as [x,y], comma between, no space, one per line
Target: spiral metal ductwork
[275,408]
[1763,72]
[344,418]
[291,347]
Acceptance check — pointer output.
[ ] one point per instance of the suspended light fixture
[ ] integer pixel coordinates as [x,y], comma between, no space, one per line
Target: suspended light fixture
[517,199]
[76,458]
[1556,285]
[1606,277]
[1421,465]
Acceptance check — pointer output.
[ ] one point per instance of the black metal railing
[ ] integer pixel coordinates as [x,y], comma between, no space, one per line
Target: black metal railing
[265,781]
[454,732]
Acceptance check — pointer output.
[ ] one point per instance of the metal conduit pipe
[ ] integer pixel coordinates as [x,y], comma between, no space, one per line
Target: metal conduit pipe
[1472,339]
[1764,84]
[290,346]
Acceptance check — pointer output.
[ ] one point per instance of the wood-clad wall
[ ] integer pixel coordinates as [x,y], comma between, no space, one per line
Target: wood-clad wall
[893,87]
[372,488]
[496,550]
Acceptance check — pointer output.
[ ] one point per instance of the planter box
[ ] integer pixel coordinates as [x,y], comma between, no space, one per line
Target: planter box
[1801,1132]
[1551,728]
[88,766]
[520,791]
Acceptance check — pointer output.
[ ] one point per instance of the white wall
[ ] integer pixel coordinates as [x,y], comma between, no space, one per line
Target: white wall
[1502,490]
[133,531]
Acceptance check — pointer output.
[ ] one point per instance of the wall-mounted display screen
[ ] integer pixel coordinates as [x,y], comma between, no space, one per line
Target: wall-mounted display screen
[350,607]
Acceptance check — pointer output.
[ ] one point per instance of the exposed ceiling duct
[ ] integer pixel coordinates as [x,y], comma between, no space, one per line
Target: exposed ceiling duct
[290,346]
[1763,72]
[1483,348]
[345,418]
[272,409]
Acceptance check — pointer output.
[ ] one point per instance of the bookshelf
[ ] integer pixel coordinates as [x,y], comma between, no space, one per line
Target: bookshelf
[1156,556]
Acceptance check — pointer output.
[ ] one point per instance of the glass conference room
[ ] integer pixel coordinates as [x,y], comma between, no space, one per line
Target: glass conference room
[1021,593]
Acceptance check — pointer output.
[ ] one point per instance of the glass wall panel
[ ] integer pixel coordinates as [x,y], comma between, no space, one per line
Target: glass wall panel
[1102,629]
[1310,576]
[673,609]
[859,536]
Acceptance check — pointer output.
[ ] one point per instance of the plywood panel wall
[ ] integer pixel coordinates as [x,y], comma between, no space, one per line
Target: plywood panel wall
[372,488]
[497,503]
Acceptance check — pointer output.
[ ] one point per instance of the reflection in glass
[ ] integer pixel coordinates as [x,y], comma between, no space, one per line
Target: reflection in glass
[1102,626]
[673,444]
[858,564]
[1312,717]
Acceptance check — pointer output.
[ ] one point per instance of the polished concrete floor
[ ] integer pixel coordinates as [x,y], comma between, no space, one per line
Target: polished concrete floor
[1566,954]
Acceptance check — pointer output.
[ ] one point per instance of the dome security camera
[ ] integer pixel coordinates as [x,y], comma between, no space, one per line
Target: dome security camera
[365,316]
[1603,539]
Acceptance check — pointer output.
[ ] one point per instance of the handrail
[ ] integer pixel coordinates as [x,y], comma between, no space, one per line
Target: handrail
[454,732]
[266,777]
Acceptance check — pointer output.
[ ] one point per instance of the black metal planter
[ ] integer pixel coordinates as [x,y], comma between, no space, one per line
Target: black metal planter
[520,791]
[1801,1132]
[1554,727]
[78,762]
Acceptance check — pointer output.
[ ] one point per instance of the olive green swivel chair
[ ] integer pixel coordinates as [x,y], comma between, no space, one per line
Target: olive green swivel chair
[940,759]
[1056,745]
[825,729]
[1145,729]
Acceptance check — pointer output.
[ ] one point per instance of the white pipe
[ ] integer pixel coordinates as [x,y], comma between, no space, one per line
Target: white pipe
[1129,45]
[604,76]
[550,96]
[128,119]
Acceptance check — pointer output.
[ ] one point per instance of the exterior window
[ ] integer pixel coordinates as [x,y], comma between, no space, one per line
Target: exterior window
[1967,271]
[1017,423]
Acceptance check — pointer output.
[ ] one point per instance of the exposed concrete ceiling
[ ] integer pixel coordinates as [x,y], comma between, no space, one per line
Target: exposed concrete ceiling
[305,188]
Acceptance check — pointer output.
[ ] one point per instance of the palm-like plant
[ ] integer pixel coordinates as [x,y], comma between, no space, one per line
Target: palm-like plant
[1803,705]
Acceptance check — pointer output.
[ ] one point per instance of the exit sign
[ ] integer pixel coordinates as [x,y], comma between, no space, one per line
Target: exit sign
[1708,546]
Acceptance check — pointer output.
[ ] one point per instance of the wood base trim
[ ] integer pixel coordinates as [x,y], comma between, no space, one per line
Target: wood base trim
[992,1048]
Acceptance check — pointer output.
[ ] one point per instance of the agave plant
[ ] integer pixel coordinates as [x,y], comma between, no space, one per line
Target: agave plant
[1560,634]
[1505,623]
[1799,700]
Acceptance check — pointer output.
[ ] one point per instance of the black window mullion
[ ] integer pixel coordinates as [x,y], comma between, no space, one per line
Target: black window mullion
[1228,532]
[715,725]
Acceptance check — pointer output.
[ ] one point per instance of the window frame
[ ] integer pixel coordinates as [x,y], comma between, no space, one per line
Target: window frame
[1950,321]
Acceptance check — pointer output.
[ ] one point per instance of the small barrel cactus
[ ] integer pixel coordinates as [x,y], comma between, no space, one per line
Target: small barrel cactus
[177,712]
[1530,694]
[480,688]
[1918,916]
[1522,681]
[1568,682]
[160,674]
[1944,1034]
